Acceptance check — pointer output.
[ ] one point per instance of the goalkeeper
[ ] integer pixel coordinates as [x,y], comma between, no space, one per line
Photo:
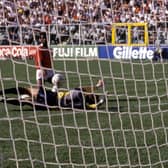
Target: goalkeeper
[79,98]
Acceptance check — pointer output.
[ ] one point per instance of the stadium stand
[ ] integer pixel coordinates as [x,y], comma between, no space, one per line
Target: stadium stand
[21,20]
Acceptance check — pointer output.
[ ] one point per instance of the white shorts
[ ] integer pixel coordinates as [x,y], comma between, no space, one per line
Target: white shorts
[45,75]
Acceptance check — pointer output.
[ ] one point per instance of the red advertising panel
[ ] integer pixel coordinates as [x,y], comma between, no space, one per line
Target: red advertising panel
[18,52]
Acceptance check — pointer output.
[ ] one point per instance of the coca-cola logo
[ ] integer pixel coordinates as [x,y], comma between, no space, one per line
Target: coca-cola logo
[17,51]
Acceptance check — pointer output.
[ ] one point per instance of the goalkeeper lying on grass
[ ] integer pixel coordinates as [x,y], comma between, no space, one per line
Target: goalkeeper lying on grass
[79,98]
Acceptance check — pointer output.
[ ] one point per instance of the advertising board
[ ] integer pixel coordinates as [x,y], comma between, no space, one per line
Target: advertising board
[126,52]
[83,52]
[22,52]
[103,51]
[71,52]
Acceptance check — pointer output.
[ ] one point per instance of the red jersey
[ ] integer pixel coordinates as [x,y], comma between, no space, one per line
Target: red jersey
[42,59]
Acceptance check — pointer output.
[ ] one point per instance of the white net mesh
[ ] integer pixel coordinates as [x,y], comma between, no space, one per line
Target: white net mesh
[129,130]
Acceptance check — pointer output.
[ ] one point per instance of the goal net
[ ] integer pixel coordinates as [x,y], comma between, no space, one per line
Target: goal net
[130,129]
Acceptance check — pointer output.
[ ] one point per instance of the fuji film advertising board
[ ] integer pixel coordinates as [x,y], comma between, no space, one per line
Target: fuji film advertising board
[78,52]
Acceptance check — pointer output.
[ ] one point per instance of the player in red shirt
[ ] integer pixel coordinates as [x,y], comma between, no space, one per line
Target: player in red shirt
[43,63]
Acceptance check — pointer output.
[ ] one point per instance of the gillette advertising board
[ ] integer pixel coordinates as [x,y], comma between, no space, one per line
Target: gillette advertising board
[125,52]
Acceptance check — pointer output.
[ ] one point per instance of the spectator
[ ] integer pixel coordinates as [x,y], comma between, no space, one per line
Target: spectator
[40,13]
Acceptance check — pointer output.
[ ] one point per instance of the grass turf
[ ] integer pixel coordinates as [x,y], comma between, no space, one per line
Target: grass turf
[130,130]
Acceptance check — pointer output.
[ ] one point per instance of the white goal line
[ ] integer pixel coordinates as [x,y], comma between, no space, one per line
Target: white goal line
[6,78]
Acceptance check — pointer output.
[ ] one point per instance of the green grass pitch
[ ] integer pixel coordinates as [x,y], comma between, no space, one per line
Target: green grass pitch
[130,130]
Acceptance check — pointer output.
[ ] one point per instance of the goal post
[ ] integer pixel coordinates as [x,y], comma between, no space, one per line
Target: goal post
[136,34]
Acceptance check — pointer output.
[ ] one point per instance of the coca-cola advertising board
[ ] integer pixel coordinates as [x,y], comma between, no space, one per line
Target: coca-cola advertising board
[18,52]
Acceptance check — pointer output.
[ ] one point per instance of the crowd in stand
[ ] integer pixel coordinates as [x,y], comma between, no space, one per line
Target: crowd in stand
[78,21]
